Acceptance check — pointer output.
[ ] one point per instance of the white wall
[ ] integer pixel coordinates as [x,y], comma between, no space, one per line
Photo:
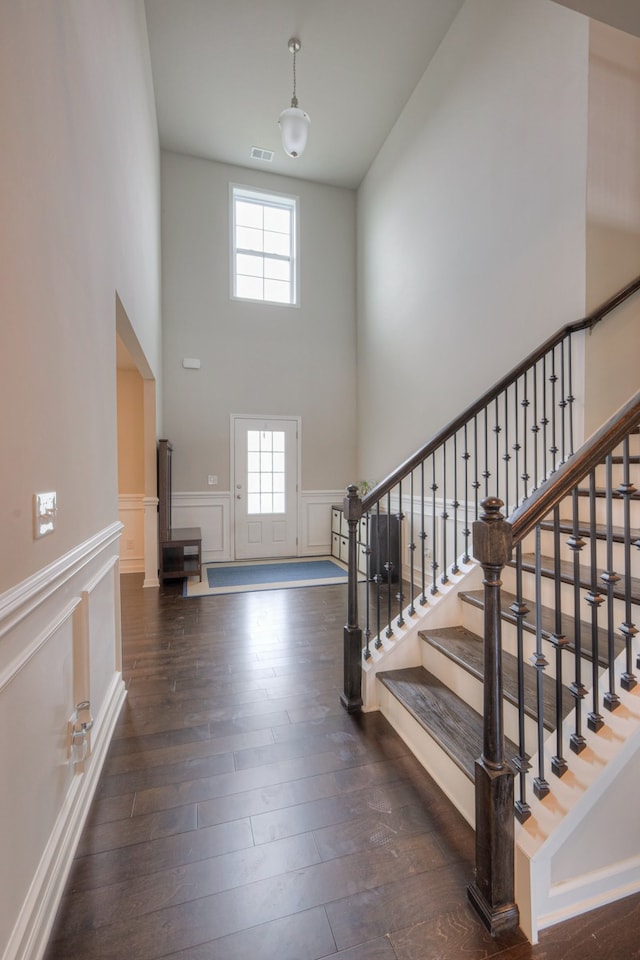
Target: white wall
[255,358]
[471,222]
[79,224]
[613,218]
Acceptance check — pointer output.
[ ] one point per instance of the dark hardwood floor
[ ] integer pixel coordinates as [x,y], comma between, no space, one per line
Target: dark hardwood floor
[242,813]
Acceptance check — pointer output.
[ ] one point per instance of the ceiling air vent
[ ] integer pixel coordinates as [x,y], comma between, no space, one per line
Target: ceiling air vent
[257,153]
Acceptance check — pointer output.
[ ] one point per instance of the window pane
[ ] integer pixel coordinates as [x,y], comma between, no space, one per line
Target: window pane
[276,269]
[249,239]
[253,440]
[266,440]
[253,503]
[266,483]
[278,440]
[249,214]
[266,503]
[266,462]
[251,288]
[278,219]
[275,243]
[248,266]
[278,463]
[277,291]
[278,483]
[253,462]
[278,503]
[253,482]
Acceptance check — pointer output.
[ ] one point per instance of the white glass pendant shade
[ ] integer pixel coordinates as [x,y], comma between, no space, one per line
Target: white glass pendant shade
[294,127]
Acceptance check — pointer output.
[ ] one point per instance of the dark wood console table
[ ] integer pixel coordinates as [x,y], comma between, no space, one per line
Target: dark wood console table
[180,548]
[181,553]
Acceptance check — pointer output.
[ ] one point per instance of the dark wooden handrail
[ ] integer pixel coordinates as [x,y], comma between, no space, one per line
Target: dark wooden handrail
[588,322]
[573,472]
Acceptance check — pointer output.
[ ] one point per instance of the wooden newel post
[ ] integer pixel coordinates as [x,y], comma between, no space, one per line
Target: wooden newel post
[492,892]
[351,697]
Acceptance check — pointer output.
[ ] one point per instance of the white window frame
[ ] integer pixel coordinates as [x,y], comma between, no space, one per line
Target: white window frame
[267,198]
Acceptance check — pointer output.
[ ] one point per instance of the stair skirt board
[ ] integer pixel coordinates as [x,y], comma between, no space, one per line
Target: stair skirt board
[582,866]
[404,648]
[447,774]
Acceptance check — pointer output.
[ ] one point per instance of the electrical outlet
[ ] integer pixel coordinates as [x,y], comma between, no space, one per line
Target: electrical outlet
[212,480]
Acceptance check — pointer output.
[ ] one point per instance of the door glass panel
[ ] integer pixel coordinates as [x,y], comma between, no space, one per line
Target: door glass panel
[265,471]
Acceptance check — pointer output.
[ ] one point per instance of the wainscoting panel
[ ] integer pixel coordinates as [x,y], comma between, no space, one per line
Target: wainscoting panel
[210,512]
[131,513]
[213,514]
[314,535]
[59,644]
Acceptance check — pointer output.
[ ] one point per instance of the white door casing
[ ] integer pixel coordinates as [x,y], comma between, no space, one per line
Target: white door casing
[265,460]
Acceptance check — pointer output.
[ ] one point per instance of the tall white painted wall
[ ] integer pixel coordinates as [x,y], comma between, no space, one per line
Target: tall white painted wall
[255,358]
[79,225]
[471,222]
[613,218]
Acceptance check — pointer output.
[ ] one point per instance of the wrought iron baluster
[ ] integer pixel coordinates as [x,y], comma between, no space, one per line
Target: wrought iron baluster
[594,598]
[400,593]
[476,481]
[628,628]
[575,543]
[540,784]
[563,401]
[367,595]
[545,419]
[467,530]
[434,559]
[516,446]
[412,548]
[535,429]
[486,473]
[456,503]
[444,515]
[610,578]
[559,641]
[497,429]
[388,566]
[570,398]
[525,434]
[423,538]
[506,456]
[377,579]
[553,380]
[521,762]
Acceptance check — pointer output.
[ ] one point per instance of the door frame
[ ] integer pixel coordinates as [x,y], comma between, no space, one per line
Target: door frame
[232,471]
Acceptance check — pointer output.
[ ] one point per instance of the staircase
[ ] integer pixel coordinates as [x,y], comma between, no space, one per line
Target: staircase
[538,640]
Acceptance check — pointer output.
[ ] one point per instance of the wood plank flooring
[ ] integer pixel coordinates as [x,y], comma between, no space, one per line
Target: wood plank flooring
[243,813]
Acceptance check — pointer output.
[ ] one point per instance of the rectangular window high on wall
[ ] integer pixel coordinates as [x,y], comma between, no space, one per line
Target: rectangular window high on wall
[264,255]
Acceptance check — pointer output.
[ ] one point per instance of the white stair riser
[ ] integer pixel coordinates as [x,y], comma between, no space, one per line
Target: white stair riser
[455,784]
[473,619]
[469,689]
[567,598]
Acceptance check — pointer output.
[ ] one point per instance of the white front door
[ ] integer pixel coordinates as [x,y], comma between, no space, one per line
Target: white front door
[265,487]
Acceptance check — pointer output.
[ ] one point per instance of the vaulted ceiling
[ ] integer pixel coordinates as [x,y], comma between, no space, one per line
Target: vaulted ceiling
[223,73]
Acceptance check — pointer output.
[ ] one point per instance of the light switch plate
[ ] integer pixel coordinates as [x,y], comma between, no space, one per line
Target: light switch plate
[44,513]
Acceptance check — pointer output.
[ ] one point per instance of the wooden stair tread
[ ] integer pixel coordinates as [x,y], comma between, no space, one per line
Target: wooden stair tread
[566,575]
[584,530]
[452,723]
[465,648]
[476,599]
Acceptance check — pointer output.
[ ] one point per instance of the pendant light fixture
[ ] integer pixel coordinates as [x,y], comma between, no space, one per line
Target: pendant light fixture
[294,122]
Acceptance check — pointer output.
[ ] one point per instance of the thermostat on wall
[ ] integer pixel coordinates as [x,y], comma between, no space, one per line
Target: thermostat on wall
[191,363]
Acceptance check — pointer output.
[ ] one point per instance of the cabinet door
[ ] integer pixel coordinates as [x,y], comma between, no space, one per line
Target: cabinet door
[336,519]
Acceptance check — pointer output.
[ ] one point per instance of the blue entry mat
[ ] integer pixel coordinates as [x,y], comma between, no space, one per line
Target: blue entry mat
[242,577]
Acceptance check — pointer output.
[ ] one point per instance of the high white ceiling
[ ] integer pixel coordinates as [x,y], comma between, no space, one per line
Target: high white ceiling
[223,73]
